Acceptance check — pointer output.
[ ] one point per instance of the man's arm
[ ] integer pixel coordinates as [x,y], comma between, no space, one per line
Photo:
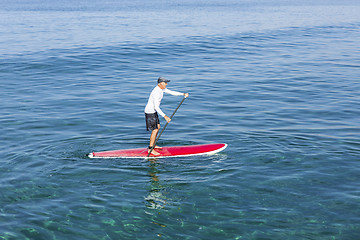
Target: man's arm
[175,93]
[157,107]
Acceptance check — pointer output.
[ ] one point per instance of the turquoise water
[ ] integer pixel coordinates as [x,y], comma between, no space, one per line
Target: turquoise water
[278,81]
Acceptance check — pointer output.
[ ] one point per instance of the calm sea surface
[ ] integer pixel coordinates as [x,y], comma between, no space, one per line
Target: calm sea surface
[276,80]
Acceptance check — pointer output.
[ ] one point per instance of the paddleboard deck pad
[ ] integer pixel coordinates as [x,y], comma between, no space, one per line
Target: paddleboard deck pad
[173,151]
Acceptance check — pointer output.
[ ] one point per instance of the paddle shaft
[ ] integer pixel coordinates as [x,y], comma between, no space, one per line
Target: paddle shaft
[152,148]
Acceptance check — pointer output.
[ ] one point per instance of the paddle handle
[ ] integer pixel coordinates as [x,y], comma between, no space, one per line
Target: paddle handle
[152,148]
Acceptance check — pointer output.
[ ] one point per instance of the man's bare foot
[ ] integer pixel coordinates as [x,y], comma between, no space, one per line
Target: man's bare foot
[153,152]
[157,147]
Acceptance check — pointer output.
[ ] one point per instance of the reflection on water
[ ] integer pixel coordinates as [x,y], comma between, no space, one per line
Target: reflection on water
[155,198]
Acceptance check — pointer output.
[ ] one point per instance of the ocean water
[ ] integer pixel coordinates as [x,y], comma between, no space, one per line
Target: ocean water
[278,81]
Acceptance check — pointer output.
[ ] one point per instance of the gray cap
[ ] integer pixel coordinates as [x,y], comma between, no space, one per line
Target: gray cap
[162,79]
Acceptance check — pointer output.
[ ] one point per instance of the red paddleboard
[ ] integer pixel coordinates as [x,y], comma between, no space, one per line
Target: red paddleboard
[174,151]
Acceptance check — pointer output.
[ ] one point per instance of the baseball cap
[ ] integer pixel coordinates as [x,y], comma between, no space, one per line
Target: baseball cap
[162,79]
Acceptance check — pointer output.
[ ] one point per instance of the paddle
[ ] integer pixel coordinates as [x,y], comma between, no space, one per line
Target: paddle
[152,148]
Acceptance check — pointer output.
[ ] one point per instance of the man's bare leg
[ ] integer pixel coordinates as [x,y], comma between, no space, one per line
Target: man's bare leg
[153,136]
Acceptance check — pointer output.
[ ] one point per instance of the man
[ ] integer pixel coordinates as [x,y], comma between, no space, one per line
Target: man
[153,108]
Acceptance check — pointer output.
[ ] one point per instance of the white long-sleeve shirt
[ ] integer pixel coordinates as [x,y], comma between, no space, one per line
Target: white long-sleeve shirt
[153,104]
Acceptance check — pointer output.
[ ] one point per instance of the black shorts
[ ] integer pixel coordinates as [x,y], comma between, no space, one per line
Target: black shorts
[152,121]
